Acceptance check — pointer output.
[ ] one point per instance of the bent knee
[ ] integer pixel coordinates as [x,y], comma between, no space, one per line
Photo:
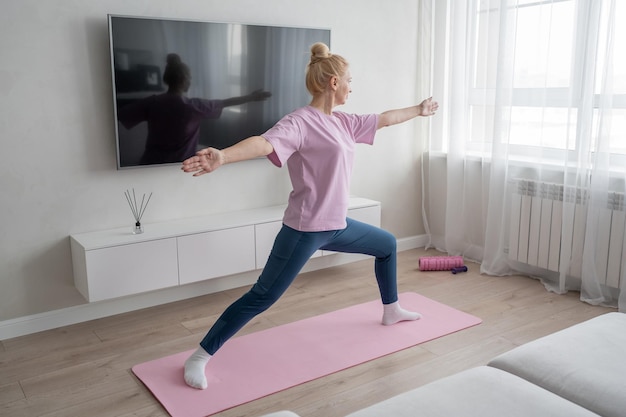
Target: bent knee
[388,241]
[386,245]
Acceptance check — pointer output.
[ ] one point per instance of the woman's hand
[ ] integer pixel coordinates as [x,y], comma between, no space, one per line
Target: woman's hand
[205,161]
[259,95]
[428,107]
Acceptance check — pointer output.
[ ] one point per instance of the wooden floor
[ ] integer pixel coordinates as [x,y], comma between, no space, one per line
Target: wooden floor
[84,370]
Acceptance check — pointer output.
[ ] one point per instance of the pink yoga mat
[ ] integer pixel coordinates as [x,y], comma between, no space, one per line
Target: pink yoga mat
[262,363]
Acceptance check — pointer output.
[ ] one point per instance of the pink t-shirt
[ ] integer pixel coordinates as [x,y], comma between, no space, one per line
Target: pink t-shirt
[319,151]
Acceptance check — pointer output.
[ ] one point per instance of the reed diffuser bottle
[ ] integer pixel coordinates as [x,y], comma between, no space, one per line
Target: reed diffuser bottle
[137,209]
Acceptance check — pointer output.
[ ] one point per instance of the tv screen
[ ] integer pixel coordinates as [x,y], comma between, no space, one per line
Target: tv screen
[181,85]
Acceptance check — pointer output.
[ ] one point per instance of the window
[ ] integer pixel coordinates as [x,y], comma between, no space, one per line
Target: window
[559,64]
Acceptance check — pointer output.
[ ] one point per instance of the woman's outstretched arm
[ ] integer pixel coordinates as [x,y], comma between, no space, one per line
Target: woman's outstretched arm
[427,107]
[209,159]
[256,95]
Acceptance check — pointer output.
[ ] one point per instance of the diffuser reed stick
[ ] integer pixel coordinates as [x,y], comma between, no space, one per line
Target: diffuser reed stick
[137,209]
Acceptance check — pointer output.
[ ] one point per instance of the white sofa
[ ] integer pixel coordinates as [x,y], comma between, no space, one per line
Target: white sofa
[578,371]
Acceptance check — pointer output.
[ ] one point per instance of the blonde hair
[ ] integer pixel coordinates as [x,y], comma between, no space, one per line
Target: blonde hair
[322,67]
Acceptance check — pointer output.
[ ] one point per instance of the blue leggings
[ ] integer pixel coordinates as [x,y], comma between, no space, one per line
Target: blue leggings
[291,250]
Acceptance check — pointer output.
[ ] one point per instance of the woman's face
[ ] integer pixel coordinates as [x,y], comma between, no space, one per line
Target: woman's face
[343,88]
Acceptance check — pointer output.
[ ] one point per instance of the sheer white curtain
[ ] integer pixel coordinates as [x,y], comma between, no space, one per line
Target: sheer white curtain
[525,171]
[279,43]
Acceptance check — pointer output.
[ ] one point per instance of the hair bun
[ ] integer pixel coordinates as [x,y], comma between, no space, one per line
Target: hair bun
[173,59]
[319,51]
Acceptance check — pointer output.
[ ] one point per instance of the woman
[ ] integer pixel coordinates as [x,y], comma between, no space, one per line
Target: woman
[317,144]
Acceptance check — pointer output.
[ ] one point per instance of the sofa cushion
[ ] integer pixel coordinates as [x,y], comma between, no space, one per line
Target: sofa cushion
[585,363]
[480,392]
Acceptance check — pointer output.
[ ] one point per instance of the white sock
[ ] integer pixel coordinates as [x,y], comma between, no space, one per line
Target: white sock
[393,313]
[194,369]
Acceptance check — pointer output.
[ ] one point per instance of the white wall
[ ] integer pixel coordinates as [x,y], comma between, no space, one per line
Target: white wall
[58,169]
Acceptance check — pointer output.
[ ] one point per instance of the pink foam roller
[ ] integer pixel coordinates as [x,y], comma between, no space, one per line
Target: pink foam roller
[440,263]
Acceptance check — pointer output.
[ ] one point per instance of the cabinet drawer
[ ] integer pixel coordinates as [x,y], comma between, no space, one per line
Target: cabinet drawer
[131,269]
[214,254]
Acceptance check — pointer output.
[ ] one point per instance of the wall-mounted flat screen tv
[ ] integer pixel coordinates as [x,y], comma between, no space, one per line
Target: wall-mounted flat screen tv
[182,85]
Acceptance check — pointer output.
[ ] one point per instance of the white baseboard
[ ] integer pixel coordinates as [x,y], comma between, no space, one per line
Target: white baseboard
[413,242]
[85,312]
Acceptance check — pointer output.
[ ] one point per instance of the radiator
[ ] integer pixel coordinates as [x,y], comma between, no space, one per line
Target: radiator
[548,223]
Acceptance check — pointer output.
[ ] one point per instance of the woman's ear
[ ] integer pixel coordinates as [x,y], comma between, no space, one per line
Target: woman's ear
[333,82]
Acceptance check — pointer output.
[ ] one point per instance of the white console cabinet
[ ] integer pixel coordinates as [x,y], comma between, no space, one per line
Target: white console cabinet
[214,254]
[114,263]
